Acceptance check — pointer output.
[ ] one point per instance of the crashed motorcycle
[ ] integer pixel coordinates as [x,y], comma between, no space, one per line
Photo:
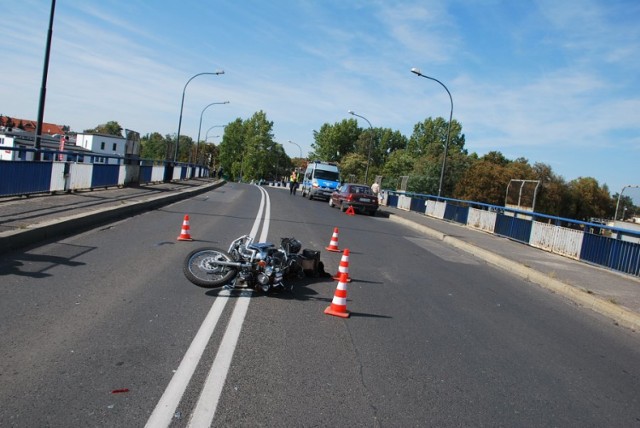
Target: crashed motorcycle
[260,266]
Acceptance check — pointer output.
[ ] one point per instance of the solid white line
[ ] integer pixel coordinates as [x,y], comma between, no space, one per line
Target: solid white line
[267,217]
[165,409]
[203,413]
[205,409]
[256,222]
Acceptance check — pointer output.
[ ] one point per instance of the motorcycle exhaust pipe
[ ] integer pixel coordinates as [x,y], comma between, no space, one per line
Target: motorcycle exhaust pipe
[233,264]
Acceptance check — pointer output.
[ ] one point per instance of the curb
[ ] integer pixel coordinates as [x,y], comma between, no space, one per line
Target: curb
[618,314]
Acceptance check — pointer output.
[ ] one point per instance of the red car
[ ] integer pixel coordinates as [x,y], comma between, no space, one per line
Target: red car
[358,196]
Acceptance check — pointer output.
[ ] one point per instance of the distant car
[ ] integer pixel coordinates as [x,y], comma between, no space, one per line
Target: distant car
[358,196]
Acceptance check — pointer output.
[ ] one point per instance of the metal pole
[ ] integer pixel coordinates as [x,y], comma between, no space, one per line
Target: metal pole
[200,126]
[206,135]
[366,172]
[615,216]
[446,145]
[175,155]
[299,148]
[43,87]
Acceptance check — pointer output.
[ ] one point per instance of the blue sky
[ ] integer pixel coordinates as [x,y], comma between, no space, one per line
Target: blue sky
[552,81]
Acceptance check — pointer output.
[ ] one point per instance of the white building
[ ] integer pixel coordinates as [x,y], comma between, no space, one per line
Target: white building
[18,145]
[109,145]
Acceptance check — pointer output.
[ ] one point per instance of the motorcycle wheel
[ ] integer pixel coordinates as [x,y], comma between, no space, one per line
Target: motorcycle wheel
[200,268]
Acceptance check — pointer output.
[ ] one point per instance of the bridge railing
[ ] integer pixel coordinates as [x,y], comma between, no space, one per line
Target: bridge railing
[613,247]
[65,171]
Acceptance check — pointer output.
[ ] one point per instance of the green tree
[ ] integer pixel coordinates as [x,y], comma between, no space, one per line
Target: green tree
[231,148]
[399,163]
[155,146]
[353,164]
[589,199]
[109,128]
[427,144]
[626,207]
[248,151]
[208,155]
[332,142]
[485,181]
[553,195]
[186,149]
[430,136]
[258,140]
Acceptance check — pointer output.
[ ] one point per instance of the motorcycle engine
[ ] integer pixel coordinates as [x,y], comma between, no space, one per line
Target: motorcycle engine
[263,250]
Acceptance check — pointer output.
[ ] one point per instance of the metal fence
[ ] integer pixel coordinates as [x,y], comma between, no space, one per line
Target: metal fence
[612,247]
[25,177]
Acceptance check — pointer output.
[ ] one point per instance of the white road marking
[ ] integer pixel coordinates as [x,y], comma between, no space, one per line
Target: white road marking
[210,396]
[166,407]
[205,409]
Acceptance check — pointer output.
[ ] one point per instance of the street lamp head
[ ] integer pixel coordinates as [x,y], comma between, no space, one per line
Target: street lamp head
[350,112]
[417,71]
[219,72]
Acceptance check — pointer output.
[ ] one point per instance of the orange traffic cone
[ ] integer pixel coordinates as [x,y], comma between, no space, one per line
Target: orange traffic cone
[185,233]
[333,245]
[338,305]
[344,266]
[350,210]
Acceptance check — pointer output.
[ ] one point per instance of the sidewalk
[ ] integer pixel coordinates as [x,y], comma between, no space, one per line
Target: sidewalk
[26,221]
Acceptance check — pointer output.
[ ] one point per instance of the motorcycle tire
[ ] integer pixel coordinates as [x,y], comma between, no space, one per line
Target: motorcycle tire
[200,268]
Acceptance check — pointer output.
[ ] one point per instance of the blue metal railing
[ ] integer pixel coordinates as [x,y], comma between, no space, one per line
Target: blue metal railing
[24,176]
[609,246]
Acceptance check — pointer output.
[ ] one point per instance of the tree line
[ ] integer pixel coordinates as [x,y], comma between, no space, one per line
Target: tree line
[248,151]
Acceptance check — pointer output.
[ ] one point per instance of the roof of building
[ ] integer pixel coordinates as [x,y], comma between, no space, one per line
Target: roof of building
[30,125]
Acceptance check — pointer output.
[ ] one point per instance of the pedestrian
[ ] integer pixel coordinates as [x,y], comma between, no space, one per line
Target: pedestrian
[293,183]
[375,188]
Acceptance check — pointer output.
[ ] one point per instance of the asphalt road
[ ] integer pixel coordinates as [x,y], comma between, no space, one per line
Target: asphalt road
[94,328]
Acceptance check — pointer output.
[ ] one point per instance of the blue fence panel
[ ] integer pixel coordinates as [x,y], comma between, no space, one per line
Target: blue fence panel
[626,257]
[596,249]
[612,253]
[22,178]
[392,200]
[145,174]
[104,175]
[456,213]
[514,228]
[417,204]
[183,173]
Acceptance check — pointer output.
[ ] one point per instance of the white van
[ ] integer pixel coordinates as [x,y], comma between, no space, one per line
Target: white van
[320,180]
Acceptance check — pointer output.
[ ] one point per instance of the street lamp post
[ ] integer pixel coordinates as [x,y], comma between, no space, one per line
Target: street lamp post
[175,155]
[200,126]
[446,144]
[205,141]
[43,88]
[615,216]
[299,148]
[366,172]
[206,135]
